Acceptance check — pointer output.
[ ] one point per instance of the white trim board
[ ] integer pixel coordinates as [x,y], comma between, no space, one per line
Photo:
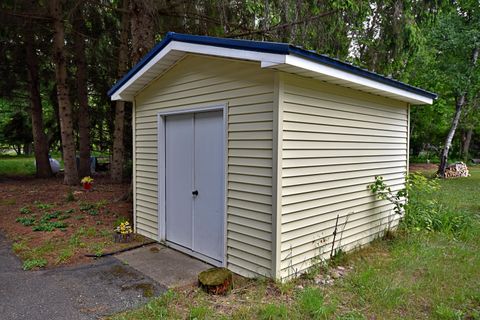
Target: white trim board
[170,54]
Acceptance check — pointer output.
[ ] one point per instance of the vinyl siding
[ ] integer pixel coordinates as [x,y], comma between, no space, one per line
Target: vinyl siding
[248,91]
[335,141]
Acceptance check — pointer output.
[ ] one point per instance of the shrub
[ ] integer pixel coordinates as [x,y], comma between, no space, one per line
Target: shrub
[419,207]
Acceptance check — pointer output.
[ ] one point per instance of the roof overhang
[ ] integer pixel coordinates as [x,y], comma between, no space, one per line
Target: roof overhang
[279,56]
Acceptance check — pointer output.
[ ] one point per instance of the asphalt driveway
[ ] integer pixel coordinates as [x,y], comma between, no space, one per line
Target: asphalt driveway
[105,287]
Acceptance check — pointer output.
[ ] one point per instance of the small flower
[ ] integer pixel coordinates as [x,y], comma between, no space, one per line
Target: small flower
[87,179]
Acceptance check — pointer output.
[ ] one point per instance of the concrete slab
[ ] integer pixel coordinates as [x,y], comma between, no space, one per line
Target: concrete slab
[168,267]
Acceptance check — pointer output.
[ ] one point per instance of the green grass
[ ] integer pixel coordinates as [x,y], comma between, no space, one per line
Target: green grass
[418,274]
[17,166]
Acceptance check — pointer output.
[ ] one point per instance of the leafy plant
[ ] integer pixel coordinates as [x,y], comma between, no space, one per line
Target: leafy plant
[86,206]
[102,203]
[34,263]
[92,212]
[43,206]
[64,255]
[25,210]
[384,192]
[50,226]
[26,221]
[49,216]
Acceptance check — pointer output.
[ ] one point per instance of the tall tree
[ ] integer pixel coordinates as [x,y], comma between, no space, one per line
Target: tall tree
[459,42]
[43,169]
[64,104]
[116,169]
[79,30]
[142,27]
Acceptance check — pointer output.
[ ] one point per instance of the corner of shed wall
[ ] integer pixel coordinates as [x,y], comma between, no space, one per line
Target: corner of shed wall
[277,175]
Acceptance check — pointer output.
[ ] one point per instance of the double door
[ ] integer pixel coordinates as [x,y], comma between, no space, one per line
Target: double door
[194,183]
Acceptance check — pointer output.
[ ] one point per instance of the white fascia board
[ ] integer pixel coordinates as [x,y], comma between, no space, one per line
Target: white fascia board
[227,52]
[343,75]
[271,58]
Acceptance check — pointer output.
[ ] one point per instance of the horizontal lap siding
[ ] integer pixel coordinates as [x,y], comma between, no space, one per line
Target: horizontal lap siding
[248,91]
[335,141]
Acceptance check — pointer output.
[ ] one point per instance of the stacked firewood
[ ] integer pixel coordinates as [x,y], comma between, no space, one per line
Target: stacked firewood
[458,169]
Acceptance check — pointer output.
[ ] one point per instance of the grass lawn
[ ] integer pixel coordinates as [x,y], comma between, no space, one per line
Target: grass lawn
[415,275]
[17,166]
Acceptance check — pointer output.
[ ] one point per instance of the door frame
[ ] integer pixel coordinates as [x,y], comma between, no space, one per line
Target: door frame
[161,177]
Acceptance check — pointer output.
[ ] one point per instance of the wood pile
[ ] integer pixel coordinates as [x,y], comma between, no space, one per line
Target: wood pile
[457,170]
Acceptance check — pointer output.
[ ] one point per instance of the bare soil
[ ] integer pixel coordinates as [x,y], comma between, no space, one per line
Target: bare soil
[423,167]
[88,231]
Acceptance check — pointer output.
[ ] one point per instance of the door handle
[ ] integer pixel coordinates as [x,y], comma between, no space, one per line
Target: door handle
[195,193]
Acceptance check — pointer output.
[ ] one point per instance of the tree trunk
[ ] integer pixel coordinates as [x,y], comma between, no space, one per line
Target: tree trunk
[82,93]
[466,144]
[142,24]
[43,169]
[64,105]
[116,168]
[448,141]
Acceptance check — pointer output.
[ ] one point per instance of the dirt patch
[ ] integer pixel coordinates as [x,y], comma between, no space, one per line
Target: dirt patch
[68,228]
[423,167]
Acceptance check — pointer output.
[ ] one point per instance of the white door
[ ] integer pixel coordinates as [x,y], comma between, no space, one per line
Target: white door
[194,182]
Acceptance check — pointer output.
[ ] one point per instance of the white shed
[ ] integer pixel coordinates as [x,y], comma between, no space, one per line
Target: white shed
[245,152]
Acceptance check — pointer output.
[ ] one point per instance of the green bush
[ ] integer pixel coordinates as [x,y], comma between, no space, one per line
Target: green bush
[422,210]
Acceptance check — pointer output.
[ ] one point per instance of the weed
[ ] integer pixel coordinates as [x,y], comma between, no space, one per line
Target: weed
[25,210]
[43,206]
[34,263]
[18,247]
[71,210]
[49,216]
[79,217]
[64,255]
[199,312]
[273,312]
[50,226]
[64,216]
[105,233]
[101,204]
[443,312]
[26,221]
[119,221]
[91,232]
[86,206]
[92,212]
[285,287]
[70,197]
[311,303]
[98,249]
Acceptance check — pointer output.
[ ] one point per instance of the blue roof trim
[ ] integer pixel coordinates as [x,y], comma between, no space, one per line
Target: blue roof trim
[267,47]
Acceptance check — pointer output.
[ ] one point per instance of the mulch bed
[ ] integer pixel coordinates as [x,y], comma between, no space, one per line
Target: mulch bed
[94,228]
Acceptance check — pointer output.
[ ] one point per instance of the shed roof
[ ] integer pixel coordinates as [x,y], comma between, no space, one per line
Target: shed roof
[280,56]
